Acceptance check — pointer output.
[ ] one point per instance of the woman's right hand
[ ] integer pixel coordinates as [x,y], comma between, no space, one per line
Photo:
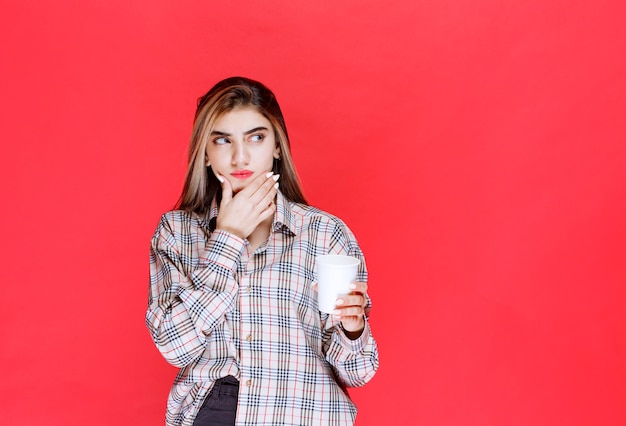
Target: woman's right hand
[241,213]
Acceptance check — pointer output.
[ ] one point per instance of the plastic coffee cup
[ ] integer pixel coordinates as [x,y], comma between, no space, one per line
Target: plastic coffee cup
[335,273]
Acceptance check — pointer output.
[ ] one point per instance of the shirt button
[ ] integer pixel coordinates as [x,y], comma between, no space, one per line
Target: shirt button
[248,289]
[249,383]
[249,337]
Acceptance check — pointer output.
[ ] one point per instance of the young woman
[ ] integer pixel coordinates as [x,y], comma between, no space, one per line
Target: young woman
[232,298]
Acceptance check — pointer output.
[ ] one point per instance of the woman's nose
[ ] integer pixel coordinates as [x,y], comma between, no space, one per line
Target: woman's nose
[240,155]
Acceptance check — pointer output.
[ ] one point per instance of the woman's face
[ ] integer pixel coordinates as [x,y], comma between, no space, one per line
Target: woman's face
[241,147]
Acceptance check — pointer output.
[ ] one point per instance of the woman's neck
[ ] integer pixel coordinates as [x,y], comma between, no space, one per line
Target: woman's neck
[260,234]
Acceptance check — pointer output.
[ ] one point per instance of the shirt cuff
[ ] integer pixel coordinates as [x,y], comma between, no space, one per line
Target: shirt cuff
[358,344]
[222,254]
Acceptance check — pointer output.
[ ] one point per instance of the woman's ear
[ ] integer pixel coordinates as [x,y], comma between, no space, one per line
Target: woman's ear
[277,153]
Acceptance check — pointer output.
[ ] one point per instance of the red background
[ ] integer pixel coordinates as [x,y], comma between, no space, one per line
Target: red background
[476,148]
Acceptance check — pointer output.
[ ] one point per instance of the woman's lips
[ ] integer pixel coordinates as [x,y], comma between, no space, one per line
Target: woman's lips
[241,174]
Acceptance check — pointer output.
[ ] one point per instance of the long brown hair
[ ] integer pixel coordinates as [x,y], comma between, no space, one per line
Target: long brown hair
[201,186]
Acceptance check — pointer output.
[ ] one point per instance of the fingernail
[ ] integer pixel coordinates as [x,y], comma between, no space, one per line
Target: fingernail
[267,175]
[275,177]
[220,178]
[337,313]
[352,286]
[339,302]
[276,185]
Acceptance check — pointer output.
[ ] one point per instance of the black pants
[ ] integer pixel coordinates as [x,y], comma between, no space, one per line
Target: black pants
[220,406]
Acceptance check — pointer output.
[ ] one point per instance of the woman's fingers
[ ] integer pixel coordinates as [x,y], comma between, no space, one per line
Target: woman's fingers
[268,212]
[243,212]
[359,287]
[265,193]
[350,308]
[349,300]
[227,189]
[356,298]
[256,189]
[352,305]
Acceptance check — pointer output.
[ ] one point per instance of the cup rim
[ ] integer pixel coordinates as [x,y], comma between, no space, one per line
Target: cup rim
[347,261]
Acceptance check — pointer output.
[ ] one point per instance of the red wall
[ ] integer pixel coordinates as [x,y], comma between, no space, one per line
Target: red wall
[477,149]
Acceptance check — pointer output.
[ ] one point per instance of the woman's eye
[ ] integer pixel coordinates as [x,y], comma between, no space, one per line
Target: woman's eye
[257,138]
[220,141]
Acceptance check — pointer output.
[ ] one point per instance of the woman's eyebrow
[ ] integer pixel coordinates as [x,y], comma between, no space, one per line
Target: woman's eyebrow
[256,129]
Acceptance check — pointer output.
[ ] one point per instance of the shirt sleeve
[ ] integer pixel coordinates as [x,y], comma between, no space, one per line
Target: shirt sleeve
[354,361]
[186,303]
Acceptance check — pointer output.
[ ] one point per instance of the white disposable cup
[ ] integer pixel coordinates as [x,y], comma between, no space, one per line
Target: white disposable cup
[335,273]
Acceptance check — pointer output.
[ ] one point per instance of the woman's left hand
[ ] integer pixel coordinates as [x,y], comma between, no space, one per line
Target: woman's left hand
[350,309]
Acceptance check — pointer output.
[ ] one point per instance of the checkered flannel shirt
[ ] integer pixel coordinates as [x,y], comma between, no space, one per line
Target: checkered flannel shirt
[217,309]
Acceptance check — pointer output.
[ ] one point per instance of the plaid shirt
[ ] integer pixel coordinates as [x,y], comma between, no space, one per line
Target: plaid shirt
[217,309]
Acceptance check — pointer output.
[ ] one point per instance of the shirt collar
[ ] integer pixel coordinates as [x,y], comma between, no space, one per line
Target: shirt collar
[284,218]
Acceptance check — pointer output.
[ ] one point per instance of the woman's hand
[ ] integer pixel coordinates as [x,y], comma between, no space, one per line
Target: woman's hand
[241,213]
[350,309]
